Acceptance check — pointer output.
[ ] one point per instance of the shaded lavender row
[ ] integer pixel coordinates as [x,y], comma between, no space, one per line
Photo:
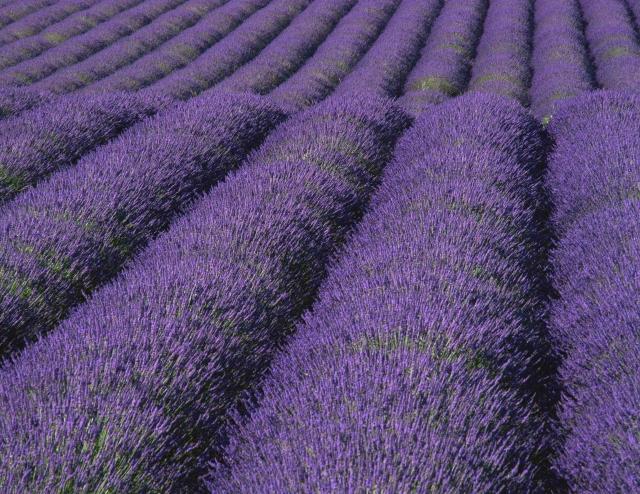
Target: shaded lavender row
[443,68]
[63,239]
[49,137]
[74,25]
[634,5]
[14,101]
[148,369]
[593,176]
[233,51]
[502,63]
[18,10]
[335,58]
[130,48]
[386,65]
[80,47]
[284,55]
[181,50]
[613,44]
[36,22]
[413,372]
[560,61]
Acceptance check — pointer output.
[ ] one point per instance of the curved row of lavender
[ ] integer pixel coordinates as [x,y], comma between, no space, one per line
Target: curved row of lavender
[52,136]
[74,25]
[18,9]
[593,176]
[417,367]
[185,47]
[561,65]
[386,65]
[502,62]
[286,53]
[130,48]
[443,68]
[613,43]
[131,392]
[43,18]
[335,58]
[232,52]
[68,236]
[80,47]
[16,100]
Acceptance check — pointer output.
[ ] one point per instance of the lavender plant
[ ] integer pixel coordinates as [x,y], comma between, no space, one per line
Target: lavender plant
[17,10]
[74,232]
[593,178]
[14,101]
[443,68]
[162,354]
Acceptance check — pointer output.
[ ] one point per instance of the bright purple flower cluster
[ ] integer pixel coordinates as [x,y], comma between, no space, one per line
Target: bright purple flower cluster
[80,47]
[49,137]
[64,238]
[443,68]
[43,18]
[561,65]
[414,371]
[184,48]
[17,10]
[593,177]
[385,66]
[335,58]
[74,25]
[233,51]
[613,43]
[131,392]
[130,48]
[502,64]
[16,100]
[283,56]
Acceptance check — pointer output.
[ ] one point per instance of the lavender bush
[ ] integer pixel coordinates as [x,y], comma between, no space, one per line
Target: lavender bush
[443,68]
[162,354]
[17,10]
[80,47]
[561,65]
[336,56]
[593,177]
[74,232]
[14,101]
[416,369]
[183,49]
[502,61]
[74,25]
[130,48]
[50,137]
[387,63]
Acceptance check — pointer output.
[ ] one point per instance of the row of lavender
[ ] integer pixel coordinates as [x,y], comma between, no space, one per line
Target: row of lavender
[161,356]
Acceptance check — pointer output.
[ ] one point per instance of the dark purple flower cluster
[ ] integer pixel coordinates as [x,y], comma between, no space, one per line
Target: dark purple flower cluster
[501,65]
[80,47]
[593,176]
[130,48]
[17,10]
[335,58]
[131,393]
[233,51]
[43,18]
[49,137]
[74,25]
[560,60]
[413,372]
[183,49]
[443,68]
[385,66]
[613,42]
[74,232]
[284,55]
[16,100]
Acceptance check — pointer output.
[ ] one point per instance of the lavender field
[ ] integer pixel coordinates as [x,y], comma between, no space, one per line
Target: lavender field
[319,246]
